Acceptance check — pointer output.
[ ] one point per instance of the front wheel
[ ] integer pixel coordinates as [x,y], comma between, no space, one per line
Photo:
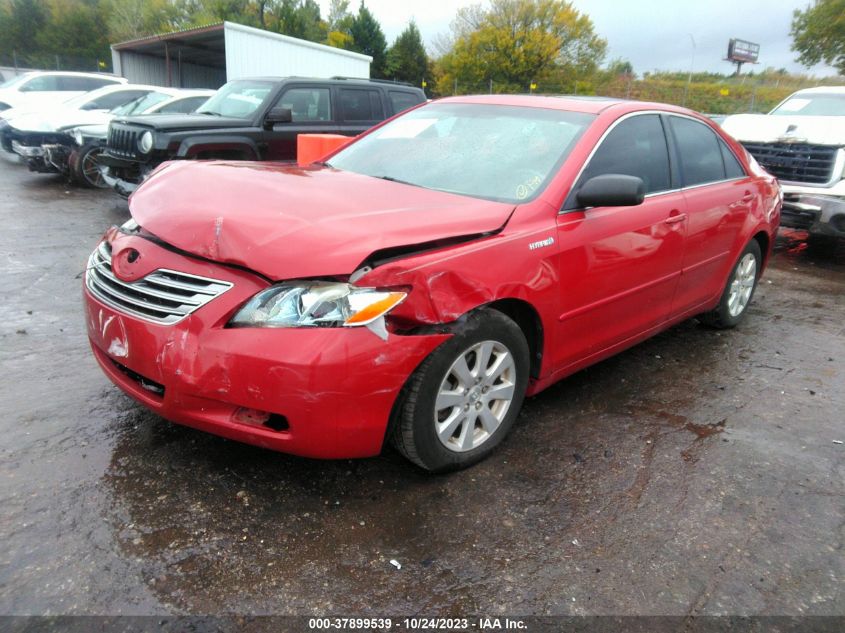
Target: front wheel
[739,289]
[85,170]
[464,398]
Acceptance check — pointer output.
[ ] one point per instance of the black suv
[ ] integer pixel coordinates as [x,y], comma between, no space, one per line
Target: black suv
[251,119]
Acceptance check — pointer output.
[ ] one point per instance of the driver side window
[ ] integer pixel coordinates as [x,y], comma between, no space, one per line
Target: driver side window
[307,104]
[635,147]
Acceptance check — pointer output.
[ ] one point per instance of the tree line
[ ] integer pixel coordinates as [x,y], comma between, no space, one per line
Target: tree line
[502,46]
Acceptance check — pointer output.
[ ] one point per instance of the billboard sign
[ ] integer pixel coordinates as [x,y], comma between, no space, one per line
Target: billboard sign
[742,51]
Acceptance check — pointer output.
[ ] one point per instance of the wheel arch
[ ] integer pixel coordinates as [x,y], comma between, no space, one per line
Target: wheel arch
[528,319]
[763,240]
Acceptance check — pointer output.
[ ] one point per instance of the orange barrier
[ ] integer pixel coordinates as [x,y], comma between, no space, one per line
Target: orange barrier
[313,147]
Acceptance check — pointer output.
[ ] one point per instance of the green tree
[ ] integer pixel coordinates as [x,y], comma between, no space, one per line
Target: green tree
[818,34]
[516,42]
[131,19]
[368,38]
[75,30]
[300,18]
[339,25]
[406,58]
[20,20]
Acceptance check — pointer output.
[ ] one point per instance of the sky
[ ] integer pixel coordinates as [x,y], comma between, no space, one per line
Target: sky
[651,34]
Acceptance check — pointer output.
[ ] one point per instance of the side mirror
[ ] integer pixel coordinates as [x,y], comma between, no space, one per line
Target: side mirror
[611,190]
[278,115]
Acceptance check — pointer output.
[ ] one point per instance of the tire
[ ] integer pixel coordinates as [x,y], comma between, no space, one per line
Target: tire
[739,290]
[84,170]
[471,422]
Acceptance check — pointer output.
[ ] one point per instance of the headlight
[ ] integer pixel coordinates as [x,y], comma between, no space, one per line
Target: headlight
[145,143]
[317,304]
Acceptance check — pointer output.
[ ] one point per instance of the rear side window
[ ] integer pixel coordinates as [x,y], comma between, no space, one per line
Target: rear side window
[114,99]
[307,104]
[635,147]
[359,104]
[732,167]
[700,151]
[82,84]
[401,100]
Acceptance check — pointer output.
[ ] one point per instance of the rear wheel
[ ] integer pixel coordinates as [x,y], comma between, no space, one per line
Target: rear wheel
[86,169]
[463,400]
[739,289]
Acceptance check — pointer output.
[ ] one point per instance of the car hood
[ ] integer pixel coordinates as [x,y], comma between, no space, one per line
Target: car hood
[768,128]
[286,222]
[58,120]
[180,122]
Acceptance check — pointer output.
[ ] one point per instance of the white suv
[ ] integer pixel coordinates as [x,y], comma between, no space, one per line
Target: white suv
[802,142]
[36,89]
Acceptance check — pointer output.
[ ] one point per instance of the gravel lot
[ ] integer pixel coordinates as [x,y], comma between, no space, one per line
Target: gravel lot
[694,474]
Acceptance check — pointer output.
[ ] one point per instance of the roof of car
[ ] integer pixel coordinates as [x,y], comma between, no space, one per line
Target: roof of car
[71,73]
[335,80]
[573,103]
[824,90]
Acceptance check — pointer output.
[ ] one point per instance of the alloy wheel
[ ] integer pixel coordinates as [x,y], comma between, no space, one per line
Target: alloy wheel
[742,285]
[474,396]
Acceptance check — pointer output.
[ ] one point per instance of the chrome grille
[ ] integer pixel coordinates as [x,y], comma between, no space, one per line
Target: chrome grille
[123,140]
[799,162]
[163,296]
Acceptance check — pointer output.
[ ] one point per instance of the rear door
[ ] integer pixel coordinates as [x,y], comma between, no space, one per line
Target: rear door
[619,266]
[313,112]
[360,108]
[718,196]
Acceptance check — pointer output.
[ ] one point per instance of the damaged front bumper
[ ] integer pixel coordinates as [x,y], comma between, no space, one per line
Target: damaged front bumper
[124,176]
[817,213]
[314,392]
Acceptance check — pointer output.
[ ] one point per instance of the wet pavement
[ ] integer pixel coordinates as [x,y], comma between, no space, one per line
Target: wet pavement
[694,474]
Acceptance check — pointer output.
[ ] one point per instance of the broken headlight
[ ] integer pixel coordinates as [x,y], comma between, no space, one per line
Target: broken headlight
[317,304]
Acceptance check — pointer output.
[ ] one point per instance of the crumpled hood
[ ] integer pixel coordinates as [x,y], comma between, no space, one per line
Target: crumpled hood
[286,222]
[59,120]
[768,128]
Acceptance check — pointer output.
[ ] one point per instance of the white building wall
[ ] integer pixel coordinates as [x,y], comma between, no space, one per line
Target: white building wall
[252,52]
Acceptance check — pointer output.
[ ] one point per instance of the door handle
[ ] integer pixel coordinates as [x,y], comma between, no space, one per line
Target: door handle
[748,197]
[674,219]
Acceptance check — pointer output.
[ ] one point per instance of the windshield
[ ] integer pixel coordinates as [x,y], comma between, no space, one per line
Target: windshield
[141,104]
[14,81]
[493,152]
[238,99]
[814,104]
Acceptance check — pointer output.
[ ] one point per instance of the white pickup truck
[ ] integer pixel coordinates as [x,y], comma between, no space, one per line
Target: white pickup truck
[802,143]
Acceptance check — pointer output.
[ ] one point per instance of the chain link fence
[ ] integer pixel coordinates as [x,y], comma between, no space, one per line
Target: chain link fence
[732,96]
[13,63]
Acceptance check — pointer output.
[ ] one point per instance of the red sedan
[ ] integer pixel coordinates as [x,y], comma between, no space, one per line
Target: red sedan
[417,285]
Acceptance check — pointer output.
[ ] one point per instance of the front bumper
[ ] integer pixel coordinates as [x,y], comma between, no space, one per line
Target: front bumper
[122,175]
[814,212]
[334,388]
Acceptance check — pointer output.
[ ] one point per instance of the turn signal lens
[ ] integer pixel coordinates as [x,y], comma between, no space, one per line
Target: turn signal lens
[373,311]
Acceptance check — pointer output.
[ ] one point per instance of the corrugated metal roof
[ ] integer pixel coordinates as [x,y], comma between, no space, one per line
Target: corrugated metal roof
[197,30]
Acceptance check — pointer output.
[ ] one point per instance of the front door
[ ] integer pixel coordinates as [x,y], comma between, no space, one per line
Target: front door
[619,266]
[312,112]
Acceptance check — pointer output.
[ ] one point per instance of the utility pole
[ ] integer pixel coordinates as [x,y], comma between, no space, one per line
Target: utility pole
[691,64]
[491,85]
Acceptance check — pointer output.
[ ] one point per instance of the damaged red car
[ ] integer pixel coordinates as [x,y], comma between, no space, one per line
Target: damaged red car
[419,283]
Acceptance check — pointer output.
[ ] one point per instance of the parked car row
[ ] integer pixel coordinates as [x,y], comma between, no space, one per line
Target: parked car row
[69,138]
[109,137]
